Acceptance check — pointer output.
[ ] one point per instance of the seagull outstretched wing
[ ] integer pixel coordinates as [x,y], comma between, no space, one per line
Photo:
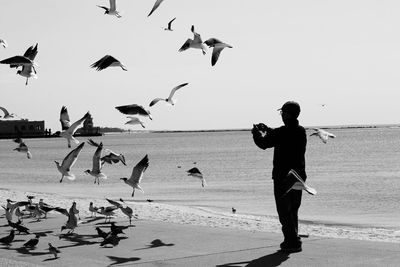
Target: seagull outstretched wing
[64,119]
[71,158]
[72,129]
[138,170]
[156,5]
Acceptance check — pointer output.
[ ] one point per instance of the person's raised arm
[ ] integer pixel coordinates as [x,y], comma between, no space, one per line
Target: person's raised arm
[263,136]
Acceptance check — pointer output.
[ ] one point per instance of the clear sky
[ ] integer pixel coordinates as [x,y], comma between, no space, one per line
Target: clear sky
[343,53]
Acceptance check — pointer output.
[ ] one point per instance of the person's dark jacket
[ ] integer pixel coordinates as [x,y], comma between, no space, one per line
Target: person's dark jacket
[289,142]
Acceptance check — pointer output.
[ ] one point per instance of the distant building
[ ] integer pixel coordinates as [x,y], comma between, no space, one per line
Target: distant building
[21,128]
[88,129]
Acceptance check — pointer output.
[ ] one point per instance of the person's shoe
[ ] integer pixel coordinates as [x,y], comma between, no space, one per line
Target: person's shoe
[290,248]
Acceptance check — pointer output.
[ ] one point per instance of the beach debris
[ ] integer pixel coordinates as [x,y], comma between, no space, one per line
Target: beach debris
[112,10]
[134,109]
[155,6]
[96,163]
[196,42]
[300,184]
[32,242]
[92,209]
[218,46]
[169,27]
[68,162]
[54,250]
[195,172]
[322,134]
[108,61]
[170,99]
[137,175]
[8,239]
[67,129]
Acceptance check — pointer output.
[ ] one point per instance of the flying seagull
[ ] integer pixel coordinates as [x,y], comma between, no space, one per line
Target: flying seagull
[137,175]
[26,62]
[22,147]
[112,10]
[7,115]
[195,172]
[218,46]
[324,135]
[68,162]
[113,157]
[300,184]
[69,130]
[3,43]
[195,43]
[170,99]
[134,109]
[156,5]
[107,61]
[96,163]
[169,28]
[134,120]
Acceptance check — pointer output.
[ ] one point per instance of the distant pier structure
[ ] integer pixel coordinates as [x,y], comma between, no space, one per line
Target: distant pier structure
[22,128]
[88,129]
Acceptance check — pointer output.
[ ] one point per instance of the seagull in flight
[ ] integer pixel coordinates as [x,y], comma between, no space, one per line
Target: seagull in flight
[134,120]
[323,135]
[196,42]
[68,162]
[299,184]
[134,109]
[169,28]
[170,99]
[112,10]
[195,172]
[96,166]
[3,43]
[156,5]
[69,130]
[26,62]
[7,115]
[22,147]
[107,61]
[113,157]
[137,175]
[218,46]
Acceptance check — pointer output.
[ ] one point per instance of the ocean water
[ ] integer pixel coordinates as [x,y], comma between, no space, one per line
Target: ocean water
[357,176]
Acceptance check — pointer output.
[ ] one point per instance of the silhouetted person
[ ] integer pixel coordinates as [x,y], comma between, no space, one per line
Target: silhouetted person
[289,142]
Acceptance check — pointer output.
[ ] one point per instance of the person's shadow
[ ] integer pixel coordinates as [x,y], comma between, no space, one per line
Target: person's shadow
[271,260]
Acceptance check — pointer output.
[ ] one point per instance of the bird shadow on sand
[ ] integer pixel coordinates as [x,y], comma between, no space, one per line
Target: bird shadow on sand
[51,259]
[271,260]
[156,243]
[120,260]
[93,219]
[78,240]
[30,252]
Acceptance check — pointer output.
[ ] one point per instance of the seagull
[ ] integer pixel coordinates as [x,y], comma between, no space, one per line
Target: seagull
[233,210]
[74,209]
[22,147]
[107,212]
[300,184]
[68,162]
[8,214]
[156,5]
[93,209]
[134,120]
[112,10]
[195,43]
[128,212]
[7,114]
[32,242]
[29,71]
[195,172]
[96,163]
[72,221]
[107,61]
[137,175]
[169,100]
[324,135]
[218,46]
[169,28]
[134,110]
[3,43]
[54,250]
[114,203]
[113,157]
[69,130]
[45,207]
[7,239]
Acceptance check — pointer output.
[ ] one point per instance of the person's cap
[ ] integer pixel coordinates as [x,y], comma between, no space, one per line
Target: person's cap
[291,107]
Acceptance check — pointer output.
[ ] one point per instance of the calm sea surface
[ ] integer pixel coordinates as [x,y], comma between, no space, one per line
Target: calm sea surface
[357,175]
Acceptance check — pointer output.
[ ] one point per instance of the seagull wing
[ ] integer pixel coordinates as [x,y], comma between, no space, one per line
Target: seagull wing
[71,158]
[72,129]
[132,109]
[96,158]
[194,170]
[3,43]
[93,143]
[176,88]
[16,61]
[197,37]
[6,113]
[215,54]
[138,170]
[104,62]
[115,203]
[64,119]
[113,6]
[170,23]
[62,211]
[31,52]
[103,7]
[186,45]
[156,5]
[154,101]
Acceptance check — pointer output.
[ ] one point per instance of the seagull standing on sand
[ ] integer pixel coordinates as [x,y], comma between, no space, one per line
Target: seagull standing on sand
[196,42]
[125,210]
[3,43]
[170,99]
[69,130]
[68,162]
[112,10]
[107,212]
[137,175]
[195,172]
[107,61]
[218,46]
[7,114]
[96,163]
[169,28]
[22,147]
[113,157]
[54,250]
[134,109]
[71,223]
[93,209]
[155,6]
[323,135]
[134,120]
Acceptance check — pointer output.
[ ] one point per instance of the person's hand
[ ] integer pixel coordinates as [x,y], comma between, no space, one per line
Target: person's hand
[259,130]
